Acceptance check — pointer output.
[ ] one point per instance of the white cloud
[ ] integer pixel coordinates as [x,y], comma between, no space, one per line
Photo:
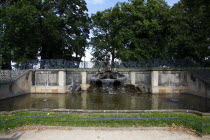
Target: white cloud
[96,1]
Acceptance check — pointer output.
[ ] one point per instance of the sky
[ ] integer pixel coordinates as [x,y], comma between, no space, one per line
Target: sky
[100,5]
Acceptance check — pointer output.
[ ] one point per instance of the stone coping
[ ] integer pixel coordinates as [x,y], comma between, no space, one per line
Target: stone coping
[206,114]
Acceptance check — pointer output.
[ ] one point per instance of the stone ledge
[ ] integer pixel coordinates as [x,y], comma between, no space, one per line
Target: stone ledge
[107,111]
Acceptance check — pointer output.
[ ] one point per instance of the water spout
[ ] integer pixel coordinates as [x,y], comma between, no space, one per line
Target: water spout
[107,81]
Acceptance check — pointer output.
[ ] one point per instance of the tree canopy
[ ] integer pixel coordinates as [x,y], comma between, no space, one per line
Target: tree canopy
[151,29]
[190,20]
[131,31]
[52,29]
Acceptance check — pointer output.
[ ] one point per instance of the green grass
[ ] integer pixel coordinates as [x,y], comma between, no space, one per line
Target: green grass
[106,122]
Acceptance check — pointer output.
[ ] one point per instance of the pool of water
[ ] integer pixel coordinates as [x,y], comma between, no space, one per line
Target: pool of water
[99,101]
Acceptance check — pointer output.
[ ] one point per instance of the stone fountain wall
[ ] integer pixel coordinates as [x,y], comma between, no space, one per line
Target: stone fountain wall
[154,81]
[49,81]
[161,81]
[19,85]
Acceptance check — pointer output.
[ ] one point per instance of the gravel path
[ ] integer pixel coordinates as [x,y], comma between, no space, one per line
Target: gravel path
[101,134]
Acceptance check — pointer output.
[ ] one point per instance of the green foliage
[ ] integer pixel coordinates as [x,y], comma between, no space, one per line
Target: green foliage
[141,30]
[50,29]
[104,29]
[133,31]
[189,30]
[130,31]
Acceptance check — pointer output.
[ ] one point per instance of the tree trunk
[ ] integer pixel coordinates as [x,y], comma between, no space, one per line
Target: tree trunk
[6,62]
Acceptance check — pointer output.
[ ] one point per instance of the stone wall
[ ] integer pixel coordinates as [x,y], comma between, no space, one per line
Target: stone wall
[197,86]
[143,78]
[172,78]
[127,76]
[89,75]
[19,86]
[73,77]
[50,81]
[169,82]
[42,78]
[60,81]
[10,75]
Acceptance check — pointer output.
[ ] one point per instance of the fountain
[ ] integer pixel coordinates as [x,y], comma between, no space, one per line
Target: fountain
[107,79]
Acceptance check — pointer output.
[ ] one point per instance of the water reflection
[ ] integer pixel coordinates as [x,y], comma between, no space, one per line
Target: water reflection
[101,101]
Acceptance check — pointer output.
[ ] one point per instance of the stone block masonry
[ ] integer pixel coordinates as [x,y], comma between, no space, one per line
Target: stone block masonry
[157,81]
[60,80]
[21,85]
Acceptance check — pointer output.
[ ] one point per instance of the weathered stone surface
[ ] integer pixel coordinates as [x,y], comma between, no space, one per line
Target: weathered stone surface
[18,87]
[89,75]
[85,87]
[143,78]
[172,78]
[42,78]
[143,89]
[60,81]
[73,77]
[127,76]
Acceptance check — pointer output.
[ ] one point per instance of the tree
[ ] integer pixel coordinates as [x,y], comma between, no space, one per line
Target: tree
[140,30]
[189,24]
[52,29]
[134,31]
[105,29]
[64,26]
[18,32]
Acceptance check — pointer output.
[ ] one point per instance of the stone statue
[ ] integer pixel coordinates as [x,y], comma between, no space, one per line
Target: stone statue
[107,63]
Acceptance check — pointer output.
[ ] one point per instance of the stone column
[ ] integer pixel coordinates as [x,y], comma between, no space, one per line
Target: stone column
[84,77]
[62,82]
[154,81]
[133,77]
[84,85]
[62,78]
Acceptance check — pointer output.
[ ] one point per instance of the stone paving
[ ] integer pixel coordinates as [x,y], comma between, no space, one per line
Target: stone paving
[101,134]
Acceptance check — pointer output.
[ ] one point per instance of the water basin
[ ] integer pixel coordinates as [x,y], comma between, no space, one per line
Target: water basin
[100,101]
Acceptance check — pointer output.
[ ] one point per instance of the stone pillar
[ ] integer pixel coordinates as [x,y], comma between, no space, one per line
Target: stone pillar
[62,78]
[84,85]
[154,81]
[84,77]
[133,78]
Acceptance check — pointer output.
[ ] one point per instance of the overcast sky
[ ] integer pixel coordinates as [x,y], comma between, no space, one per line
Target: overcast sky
[100,5]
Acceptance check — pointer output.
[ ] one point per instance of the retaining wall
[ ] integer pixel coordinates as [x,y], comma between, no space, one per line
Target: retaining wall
[19,86]
[157,81]
[61,81]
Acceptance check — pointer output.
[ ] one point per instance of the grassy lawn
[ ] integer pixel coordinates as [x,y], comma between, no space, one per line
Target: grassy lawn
[105,121]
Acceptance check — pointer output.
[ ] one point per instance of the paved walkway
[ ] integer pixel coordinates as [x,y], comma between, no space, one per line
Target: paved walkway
[101,134]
